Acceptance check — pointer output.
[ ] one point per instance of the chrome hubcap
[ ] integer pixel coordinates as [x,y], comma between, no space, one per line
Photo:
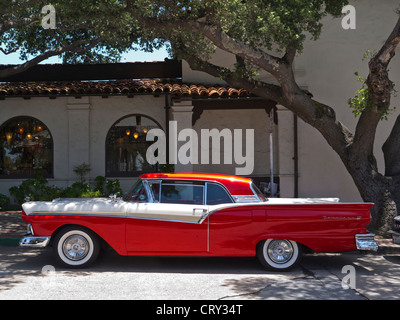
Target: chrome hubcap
[75,247]
[280,251]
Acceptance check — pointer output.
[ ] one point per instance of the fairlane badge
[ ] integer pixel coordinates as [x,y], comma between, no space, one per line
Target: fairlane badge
[342,218]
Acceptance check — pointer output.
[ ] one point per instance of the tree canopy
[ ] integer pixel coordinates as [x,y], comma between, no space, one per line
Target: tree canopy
[99,31]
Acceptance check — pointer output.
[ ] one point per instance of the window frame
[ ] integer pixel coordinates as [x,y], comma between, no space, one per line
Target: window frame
[184,182]
[133,173]
[47,175]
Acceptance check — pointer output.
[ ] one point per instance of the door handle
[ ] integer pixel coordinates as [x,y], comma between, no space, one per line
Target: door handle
[203,210]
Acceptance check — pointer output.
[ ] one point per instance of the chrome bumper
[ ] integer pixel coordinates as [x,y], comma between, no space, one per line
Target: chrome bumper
[366,242]
[31,241]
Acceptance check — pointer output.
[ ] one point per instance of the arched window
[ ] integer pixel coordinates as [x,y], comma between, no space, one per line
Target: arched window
[126,147]
[26,148]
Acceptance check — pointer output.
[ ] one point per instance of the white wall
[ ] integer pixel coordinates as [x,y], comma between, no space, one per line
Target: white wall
[238,119]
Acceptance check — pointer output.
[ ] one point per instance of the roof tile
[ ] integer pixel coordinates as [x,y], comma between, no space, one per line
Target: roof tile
[118,87]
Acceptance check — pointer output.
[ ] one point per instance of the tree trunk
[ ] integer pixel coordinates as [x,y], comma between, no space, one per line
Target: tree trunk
[374,187]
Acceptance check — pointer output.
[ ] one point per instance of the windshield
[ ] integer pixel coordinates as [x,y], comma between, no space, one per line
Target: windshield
[137,193]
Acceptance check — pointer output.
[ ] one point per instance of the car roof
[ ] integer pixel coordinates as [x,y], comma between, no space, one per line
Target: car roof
[236,185]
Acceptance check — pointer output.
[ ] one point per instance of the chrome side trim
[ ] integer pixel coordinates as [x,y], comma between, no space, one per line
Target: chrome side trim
[131,215]
[80,213]
[366,242]
[164,217]
[246,199]
[31,241]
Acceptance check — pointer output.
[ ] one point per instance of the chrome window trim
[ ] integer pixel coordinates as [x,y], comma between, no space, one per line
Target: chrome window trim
[254,192]
[148,191]
[205,194]
[164,181]
[235,199]
[151,192]
[246,199]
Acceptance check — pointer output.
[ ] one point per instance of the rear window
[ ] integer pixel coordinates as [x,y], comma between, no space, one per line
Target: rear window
[217,195]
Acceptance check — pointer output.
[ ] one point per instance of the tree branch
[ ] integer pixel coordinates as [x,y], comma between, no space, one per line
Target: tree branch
[380,90]
[78,46]
[259,88]
[215,34]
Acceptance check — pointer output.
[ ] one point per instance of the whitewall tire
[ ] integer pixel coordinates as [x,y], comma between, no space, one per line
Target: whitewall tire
[279,254]
[76,247]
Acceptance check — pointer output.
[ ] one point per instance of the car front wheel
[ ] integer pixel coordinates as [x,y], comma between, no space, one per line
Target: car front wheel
[76,247]
[279,254]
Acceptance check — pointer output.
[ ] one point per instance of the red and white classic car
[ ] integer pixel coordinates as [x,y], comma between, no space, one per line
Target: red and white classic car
[197,214]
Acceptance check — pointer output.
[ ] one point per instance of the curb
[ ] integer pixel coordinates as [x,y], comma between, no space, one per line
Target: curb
[9,241]
[12,228]
[386,246]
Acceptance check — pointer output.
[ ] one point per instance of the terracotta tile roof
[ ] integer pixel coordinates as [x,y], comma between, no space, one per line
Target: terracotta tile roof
[118,87]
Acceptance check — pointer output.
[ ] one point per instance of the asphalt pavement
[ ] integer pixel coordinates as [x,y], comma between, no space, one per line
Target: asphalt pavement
[29,273]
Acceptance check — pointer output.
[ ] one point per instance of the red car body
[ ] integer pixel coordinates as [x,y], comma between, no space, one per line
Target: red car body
[237,228]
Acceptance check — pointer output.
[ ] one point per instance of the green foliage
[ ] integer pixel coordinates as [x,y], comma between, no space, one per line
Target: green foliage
[34,189]
[82,170]
[104,25]
[259,23]
[4,202]
[107,186]
[362,99]
[37,189]
[110,29]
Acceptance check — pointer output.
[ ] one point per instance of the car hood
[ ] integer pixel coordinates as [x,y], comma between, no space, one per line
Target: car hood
[81,205]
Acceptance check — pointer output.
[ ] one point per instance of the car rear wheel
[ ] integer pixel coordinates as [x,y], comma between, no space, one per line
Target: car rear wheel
[76,247]
[279,254]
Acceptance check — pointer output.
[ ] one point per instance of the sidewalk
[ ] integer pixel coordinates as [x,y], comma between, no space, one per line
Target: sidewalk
[13,228]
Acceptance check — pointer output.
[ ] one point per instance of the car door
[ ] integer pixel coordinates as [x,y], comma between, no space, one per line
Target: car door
[171,220]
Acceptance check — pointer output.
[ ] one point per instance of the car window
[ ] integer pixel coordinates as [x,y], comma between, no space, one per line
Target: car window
[258,192]
[182,194]
[137,193]
[217,195]
[155,189]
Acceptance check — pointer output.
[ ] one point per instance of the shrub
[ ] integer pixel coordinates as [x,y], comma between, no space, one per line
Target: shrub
[4,202]
[37,189]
